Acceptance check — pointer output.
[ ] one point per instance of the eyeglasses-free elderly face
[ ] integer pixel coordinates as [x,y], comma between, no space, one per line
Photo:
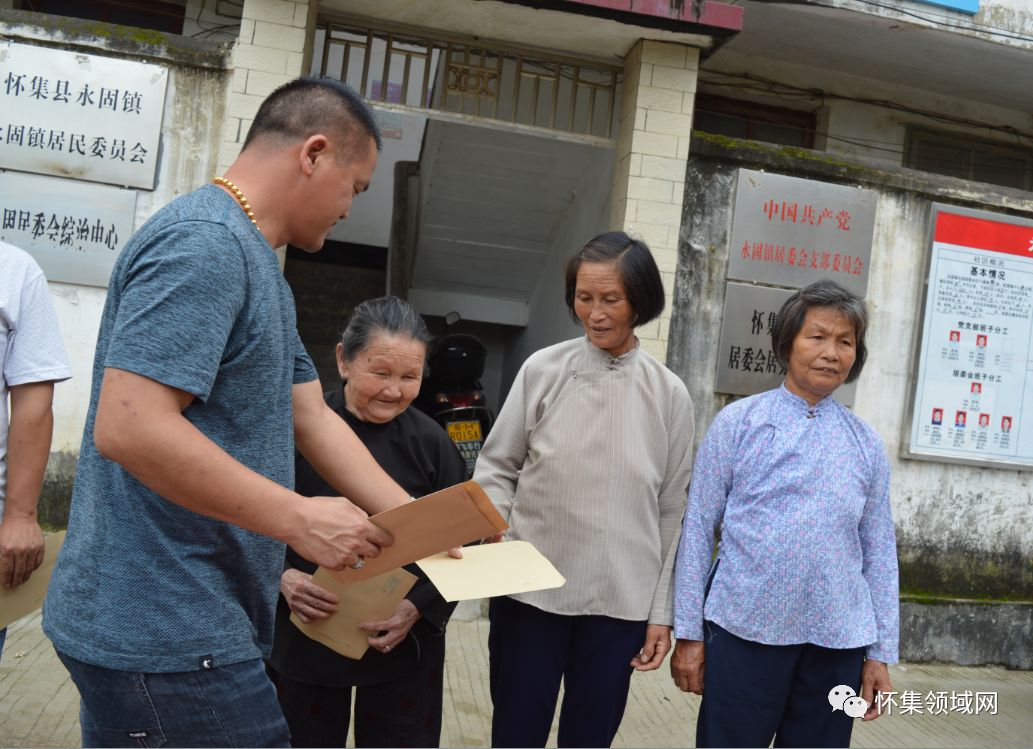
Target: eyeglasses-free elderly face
[822,354]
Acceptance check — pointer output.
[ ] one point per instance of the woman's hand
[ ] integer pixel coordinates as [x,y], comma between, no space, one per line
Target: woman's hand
[305,598]
[654,649]
[875,678]
[687,665]
[395,628]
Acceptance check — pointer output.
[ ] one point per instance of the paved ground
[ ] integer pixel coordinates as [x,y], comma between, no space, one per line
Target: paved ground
[39,705]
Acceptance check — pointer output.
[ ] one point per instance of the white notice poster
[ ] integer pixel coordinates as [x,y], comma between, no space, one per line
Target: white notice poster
[973,399]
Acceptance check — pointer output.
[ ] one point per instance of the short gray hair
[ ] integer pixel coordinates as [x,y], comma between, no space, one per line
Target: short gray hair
[387,315]
[828,294]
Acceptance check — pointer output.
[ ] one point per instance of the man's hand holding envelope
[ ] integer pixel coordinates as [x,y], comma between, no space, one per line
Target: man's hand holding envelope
[443,520]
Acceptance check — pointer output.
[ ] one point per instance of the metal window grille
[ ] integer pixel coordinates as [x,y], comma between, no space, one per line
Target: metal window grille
[405,69]
[971,158]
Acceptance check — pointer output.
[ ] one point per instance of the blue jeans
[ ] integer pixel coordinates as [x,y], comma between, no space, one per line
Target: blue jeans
[232,705]
[3,636]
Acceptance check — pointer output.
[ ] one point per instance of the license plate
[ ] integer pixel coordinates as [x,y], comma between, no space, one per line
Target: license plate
[464,431]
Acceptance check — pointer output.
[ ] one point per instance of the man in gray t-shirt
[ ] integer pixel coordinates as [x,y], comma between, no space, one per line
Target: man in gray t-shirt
[162,601]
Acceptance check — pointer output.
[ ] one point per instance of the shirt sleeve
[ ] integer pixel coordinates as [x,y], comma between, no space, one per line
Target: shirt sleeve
[879,561]
[434,609]
[451,470]
[34,349]
[672,501]
[304,369]
[504,451]
[708,495]
[178,301]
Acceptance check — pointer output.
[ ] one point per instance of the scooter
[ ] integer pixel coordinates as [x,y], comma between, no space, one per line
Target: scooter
[453,396]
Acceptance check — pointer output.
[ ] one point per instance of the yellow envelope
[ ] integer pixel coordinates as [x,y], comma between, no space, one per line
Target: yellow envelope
[491,570]
[367,600]
[27,597]
[451,517]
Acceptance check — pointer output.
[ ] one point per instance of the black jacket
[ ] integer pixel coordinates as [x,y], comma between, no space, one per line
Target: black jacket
[417,453]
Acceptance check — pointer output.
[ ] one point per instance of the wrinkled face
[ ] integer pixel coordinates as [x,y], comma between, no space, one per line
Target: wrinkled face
[334,182]
[384,378]
[822,355]
[602,306]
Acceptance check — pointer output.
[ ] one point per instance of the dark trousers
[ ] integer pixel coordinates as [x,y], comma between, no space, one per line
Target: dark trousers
[232,705]
[400,713]
[531,651]
[753,693]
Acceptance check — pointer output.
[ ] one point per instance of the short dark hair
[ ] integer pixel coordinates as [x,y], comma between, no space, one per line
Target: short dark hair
[384,315]
[307,106]
[637,269]
[828,294]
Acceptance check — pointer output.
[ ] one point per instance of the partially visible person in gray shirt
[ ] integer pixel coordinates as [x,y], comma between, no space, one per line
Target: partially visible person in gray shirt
[590,462]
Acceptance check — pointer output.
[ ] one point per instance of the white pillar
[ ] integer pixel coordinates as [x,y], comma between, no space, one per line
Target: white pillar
[652,148]
[274,47]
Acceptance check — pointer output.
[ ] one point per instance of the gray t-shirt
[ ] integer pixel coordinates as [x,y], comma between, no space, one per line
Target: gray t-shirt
[197,302]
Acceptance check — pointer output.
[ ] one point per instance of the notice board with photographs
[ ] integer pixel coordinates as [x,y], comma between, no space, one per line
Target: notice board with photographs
[972,394]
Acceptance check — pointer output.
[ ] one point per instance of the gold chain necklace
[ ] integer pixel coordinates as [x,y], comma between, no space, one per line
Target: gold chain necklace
[239,195]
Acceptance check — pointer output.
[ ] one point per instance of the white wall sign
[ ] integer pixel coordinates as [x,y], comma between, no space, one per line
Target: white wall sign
[792,232]
[74,230]
[81,116]
[973,395]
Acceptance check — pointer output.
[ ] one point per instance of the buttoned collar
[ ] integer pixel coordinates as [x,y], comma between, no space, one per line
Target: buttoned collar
[798,405]
[604,358]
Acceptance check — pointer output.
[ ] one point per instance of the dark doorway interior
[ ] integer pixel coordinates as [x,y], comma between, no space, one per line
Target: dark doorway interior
[146,14]
[327,286]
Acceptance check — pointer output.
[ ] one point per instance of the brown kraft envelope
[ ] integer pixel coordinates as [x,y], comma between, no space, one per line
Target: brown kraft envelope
[371,600]
[27,597]
[451,517]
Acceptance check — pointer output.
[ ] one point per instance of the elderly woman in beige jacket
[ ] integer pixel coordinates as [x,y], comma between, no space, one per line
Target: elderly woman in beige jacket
[590,462]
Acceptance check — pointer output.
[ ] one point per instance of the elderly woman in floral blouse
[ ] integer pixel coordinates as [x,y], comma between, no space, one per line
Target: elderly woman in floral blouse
[802,595]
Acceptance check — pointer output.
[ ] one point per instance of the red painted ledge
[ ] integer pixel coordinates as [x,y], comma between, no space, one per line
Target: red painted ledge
[709,13]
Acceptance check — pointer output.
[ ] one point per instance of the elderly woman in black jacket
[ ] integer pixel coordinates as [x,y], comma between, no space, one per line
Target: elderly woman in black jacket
[399,680]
